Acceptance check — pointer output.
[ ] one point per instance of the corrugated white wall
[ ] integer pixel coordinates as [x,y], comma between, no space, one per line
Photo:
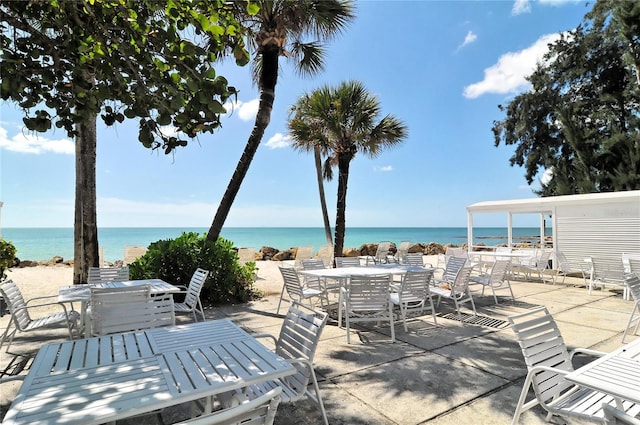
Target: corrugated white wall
[602,231]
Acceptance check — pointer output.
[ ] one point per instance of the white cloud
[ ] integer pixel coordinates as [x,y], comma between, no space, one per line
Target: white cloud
[384,168]
[25,142]
[169,130]
[278,141]
[520,7]
[468,39]
[115,212]
[509,74]
[524,6]
[246,110]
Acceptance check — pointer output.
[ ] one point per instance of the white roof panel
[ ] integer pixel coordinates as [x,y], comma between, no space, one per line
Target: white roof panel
[544,205]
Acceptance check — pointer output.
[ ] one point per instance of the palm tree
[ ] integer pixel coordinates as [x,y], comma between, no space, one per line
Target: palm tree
[280,29]
[302,132]
[343,121]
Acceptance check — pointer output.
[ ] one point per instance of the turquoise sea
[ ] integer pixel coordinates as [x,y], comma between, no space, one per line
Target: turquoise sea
[45,243]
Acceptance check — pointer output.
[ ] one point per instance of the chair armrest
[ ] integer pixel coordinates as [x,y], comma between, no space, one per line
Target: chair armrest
[41,298]
[265,335]
[586,351]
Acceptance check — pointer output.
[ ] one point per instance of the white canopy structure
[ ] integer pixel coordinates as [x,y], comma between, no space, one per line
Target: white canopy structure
[600,225]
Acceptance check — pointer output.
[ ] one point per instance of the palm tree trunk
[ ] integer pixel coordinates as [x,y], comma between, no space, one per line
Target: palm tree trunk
[323,200]
[85,228]
[341,205]
[267,95]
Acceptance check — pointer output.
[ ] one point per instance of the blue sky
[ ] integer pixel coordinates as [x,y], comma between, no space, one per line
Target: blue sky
[442,67]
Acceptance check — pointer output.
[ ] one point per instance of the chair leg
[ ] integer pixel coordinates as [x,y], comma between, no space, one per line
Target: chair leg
[636,306]
[318,397]
[280,302]
[6,332]
[433,311]
[393,330]
[520,407]
[495,298]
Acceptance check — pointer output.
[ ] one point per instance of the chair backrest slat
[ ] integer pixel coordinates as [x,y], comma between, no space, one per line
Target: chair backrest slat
[542,344]
[498,272]
[291,282]
[633,283]
[453,267]
[303,253]
[198,279]
[299,338]
[413,259]
[259,411]
[16,304]
[107,274]
[313,264]
[129,309]
[415,285]
[347,262]
[325,253]
[368,293]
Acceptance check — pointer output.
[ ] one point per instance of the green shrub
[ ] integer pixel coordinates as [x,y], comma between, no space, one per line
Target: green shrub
[7,257]
[175,260]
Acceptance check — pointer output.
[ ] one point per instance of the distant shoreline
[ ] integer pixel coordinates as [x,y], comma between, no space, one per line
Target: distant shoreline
[44,243]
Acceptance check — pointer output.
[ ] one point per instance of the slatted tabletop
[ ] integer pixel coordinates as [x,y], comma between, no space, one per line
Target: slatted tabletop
[82,293]
[616,373]
[103,379]
[346,272]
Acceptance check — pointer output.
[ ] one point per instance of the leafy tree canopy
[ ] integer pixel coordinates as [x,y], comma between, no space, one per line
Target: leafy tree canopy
[580,121]
[64,61]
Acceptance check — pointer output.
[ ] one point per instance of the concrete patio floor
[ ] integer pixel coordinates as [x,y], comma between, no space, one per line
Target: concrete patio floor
[451,373]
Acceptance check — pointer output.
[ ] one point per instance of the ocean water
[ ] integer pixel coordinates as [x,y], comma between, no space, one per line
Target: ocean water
[45,243]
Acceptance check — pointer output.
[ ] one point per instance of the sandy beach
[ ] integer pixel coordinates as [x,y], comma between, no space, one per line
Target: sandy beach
[41,281]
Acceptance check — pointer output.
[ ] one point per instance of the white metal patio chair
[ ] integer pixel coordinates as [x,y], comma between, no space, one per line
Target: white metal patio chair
[246,255]
[302,253]
[631,262]
[413,294]
[541,265]
[107,274]
[496,279]
[564,268]
[449,273]
[402,251]
[325,253]
[21,318]
[381,256]
[457,291]
[315,281]
[614,416]
[132,253]
[347,262]
[366,299]
[297,343]
[116,310]
[633,284]
[296,289]
[259,411]
[192,303]
[548,361]
[413,259]
[610,275]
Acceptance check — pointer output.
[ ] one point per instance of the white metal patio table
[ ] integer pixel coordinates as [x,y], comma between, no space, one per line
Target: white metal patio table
[82,294]
[342,274]
[103,379]
[616,373]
